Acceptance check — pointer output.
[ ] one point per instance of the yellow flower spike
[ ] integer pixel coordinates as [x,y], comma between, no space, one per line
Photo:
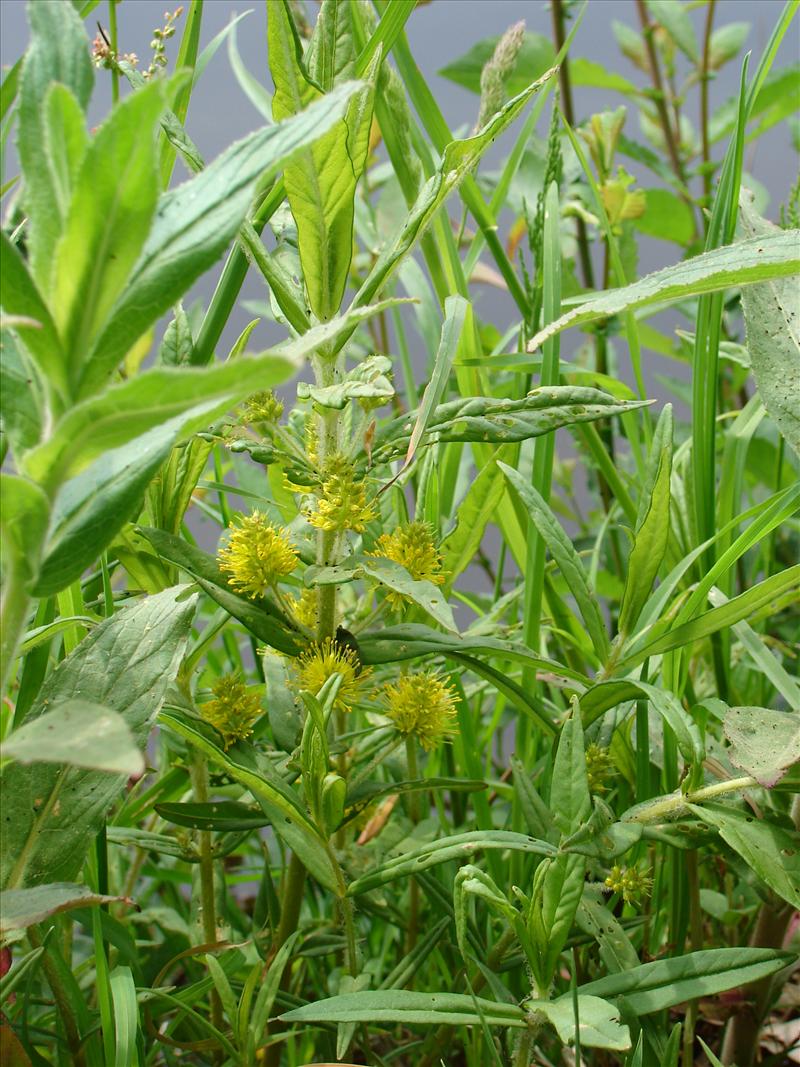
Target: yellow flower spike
[233,711]
[257,555]
[422,706]
[321,661]
[262,407]
[305,608]
[341,502]
[598,767]
[634,884]
[411,546]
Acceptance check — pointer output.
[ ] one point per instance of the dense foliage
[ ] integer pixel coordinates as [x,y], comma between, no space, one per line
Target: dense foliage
[441,708]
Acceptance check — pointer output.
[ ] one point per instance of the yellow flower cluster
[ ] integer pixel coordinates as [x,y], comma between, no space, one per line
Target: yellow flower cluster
[342,498]
[262,407]
[422,706]
[257,555]
[305,608]
[632,883]
[412,546]
[233,710]
[598,767]
[321,661]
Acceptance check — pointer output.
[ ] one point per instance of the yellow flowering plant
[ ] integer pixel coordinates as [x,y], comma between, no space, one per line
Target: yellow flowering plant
[390,677]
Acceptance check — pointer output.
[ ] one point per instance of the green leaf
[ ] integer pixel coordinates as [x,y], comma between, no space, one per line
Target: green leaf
[652,527]
[774,255]
[598,1021]
[58,52]
[674,18]
[596,76]
[321,181]
[67,141]
[91,508]
[489,420]
[455,314]
[286,814]
[772,852]
[21,908]
[570,802]
[460,846]
[24,515]
[563,552]
[22,397]
[474,514]
[405,1006]
[666,217]
[737,608]
[557,891]
[458,159]
[772,322]
[424,593]
[221,816]
[20,297]
[778,94]
[535,57]
[126,1016]
[664,983]
[195,222]
[763,743]
[109,218]
[726,43]
[77,733]
[146,402]
[51,814]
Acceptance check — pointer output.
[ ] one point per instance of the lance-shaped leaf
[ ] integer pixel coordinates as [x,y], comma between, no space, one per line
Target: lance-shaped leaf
[320,181]
[772,321]
[80,734]
[58,52]
[489,420]
[652,527]
[405,1006]
[774,255]
[195,222]
[20,908]
[563,552]
[51,814]
[475,512]
[422,592]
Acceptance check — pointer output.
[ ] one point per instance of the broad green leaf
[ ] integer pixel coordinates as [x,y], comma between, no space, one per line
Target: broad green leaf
[557,890]
[20,297]
[321,181]
[597,76]
[22,397]
[195,222]
[675,19]
[567,559]
[570,802]
[664,983]
[772,321]
[77,733]
[144,403]
[666,217]
[108,221]
[58,52]
[726,43]
[534,58]
[763,743]
[51,814]
[331,54]
[775,255]
[20,908]
[405,1006]
[460,846]
[598,1021]
[91,508]
[772,852]
[67,141]
[652,527]
[280,804]
[424,593]
[474,513]
[261,617]
[24,514]
[486,419]
[616,951]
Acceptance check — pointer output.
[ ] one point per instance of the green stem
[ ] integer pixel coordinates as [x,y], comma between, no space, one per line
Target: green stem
[291,905]
[14,608]
[704,109]
[199,776]
[61,997]
[660,809]
[112,32]
[412,801]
